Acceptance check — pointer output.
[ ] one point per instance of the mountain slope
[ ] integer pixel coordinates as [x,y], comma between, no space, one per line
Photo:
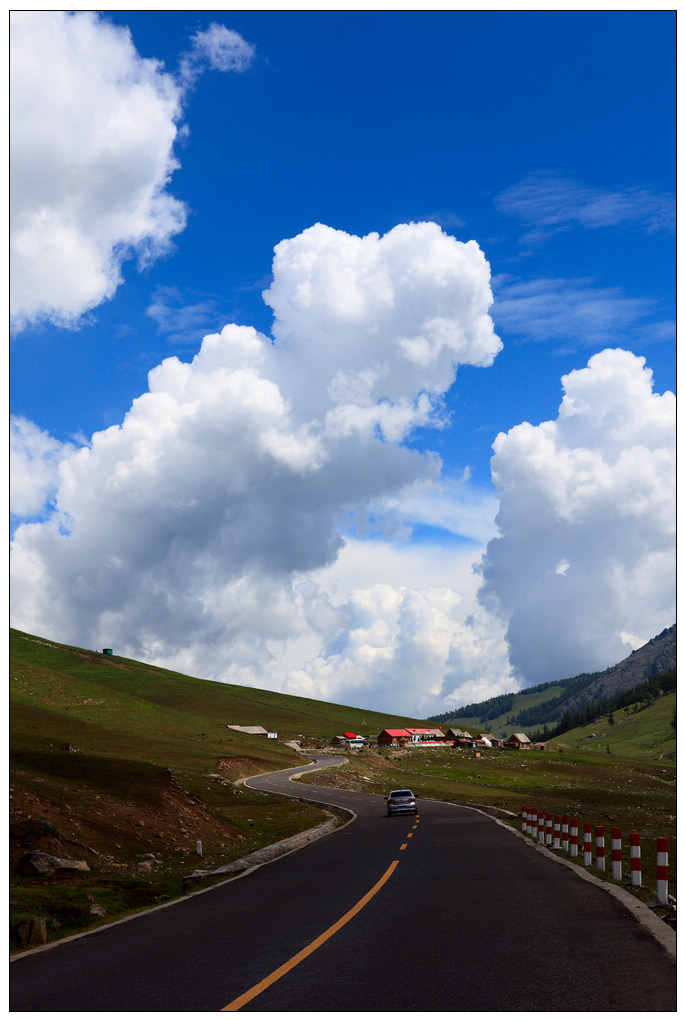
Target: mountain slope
[657,656]
[534,707]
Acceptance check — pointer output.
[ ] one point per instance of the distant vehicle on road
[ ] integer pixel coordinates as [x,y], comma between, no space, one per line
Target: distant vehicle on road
[401,802]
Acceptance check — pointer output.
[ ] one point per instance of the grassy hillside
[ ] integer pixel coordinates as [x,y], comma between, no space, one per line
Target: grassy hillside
[126,698]
[127,763]
[644,735]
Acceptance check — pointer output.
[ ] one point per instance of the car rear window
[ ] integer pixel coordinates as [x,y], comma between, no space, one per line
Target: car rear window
[401,794]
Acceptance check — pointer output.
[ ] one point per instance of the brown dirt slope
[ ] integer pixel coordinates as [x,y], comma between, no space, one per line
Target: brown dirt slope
[111,834]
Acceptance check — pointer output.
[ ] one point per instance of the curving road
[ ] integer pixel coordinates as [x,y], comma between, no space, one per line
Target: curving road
[450,911]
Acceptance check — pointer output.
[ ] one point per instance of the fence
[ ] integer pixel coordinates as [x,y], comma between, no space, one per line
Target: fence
[562,834]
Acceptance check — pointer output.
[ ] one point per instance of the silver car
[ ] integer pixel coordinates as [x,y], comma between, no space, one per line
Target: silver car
[401,802]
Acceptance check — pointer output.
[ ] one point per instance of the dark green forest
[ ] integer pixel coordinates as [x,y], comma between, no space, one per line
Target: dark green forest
[544,712]
[639,697]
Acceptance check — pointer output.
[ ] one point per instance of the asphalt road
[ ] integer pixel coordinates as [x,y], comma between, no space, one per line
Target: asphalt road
[446,912]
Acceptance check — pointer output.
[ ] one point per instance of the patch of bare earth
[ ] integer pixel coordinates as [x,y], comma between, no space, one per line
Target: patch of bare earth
[110,835]
[236,767]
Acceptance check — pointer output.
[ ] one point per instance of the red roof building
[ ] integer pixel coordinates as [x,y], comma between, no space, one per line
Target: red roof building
[426,734]
[394,736]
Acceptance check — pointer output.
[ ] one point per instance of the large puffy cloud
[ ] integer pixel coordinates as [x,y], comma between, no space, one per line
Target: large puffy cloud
[381,322]
[35,458]
[188,531]
[421,649]
[92,131]
[584,567]
[93,126]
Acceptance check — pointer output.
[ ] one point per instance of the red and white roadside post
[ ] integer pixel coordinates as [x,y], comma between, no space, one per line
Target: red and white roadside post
[588,845]
[525,813]
[635,843]
[549,828]
[616,853]
[556,832]
[662,864]
[565,833]
[574,837]
[600,848]
[541,828]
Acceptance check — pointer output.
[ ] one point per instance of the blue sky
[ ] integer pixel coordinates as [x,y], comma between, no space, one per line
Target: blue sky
[545,138]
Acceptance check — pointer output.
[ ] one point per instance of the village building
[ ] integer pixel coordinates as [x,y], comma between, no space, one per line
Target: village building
[425,734]
[454,732]
[518,741]
[416,736]
[340,740]
[253,729]
[393,736]
[349,740]
[355,742]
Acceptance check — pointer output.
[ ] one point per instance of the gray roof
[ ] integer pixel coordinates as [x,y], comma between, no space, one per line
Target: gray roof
[249,729]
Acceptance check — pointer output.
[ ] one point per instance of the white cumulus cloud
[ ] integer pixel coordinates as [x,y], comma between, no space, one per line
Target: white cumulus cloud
[93,125]
[586,551]
[380,322]
[422,649]
[189,530]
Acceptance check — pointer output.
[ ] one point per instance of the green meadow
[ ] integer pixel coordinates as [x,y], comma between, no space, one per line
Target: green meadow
[129,763]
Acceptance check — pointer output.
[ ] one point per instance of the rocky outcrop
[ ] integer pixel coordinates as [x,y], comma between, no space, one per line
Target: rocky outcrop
[32,829]
[39,864]
[32,932]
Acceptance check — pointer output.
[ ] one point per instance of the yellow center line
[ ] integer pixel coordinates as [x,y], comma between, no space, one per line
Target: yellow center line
[403,847]
[252,993]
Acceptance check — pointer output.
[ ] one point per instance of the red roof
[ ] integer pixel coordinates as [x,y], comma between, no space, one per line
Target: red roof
[395,732]
[425,731]
[349,734]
